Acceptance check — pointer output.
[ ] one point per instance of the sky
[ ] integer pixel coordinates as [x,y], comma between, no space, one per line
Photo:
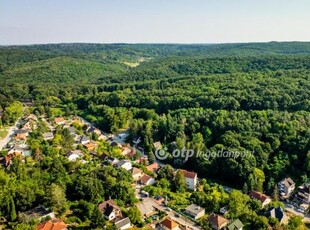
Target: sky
[153,21]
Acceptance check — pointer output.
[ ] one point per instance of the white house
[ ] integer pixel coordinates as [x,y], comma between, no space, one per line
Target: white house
[190,179]
[48,136]
[84,140]
[123,224]
[261,197]
[136,173]
[110,210]
[126,164]
[195,211]
[74,155]
[147,180]
[286,187]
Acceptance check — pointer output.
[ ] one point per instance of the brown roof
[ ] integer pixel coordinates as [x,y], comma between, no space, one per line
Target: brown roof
[54,224]
[90,145]
[217,220]
[188,174]
[21,136]
[170,224]
[59,119]
[258,196]
[288,182]
[103,205]
[136,171]
[153,167]
[145,178]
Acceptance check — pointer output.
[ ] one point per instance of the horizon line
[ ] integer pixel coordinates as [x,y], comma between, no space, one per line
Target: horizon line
[153,43]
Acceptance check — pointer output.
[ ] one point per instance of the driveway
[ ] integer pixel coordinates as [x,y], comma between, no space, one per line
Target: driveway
[11,132]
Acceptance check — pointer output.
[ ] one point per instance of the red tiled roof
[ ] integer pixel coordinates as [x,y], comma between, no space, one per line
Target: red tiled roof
[103,205]
[168,223]
[188,174]
[258,196]
[136,171]
[217,220]
[54,224]
[145,178]
[59,119]
[153,167]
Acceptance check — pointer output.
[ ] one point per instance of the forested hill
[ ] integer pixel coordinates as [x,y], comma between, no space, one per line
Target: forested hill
[64,63]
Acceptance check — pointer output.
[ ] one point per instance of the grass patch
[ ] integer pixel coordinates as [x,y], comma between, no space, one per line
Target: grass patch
[3,133]
[57,112]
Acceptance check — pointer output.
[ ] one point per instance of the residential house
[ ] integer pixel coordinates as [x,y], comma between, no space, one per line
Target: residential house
[190,179]
[136,173]
[90,146]
[286,187]
[147,180]
[31,117]
[24,150]
[72,130]
[142,160]
[303,193]
[264,199]
[74,155]
[126,164]
[21,136]
[277,213]
[153,167]
[60,121]
[110,210]
[146,207]
[48,136]
[123,224]
[126,151]
[195,211]
[113,161]
[53,224]
[39,213]
[84,140]
[217,222]
[235,225]
[168,224]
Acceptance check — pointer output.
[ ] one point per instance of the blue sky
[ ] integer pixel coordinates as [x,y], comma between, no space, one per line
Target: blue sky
[153,21]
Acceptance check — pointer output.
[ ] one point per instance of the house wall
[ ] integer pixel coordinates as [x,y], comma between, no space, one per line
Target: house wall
[126,226]
[191,183]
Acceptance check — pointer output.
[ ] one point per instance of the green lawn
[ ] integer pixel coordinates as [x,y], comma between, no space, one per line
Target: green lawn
[3,133]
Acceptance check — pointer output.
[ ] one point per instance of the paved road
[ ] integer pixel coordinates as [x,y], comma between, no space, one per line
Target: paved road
[306,217]
[8,137]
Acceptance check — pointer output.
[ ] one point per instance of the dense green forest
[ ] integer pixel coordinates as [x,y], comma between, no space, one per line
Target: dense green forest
[236,97]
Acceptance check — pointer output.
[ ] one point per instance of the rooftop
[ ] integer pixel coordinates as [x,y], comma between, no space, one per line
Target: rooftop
[194,208]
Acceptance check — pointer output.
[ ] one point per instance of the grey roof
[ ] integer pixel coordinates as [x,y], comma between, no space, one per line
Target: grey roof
[277,213]
[194,208]
[122,223]
[288,182]
[84,138]
[235,225]
[48,134]
[145,207]
[71,129]
[122,162]
[38,212]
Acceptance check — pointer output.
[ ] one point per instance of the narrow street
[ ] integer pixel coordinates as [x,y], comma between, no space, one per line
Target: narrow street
[11,132]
